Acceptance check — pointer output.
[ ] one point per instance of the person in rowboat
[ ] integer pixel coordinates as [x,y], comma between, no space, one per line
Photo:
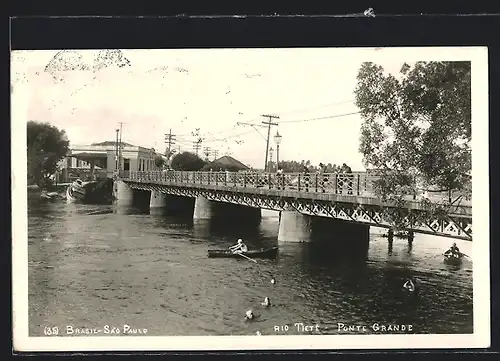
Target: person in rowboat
[239,247]
[453,251]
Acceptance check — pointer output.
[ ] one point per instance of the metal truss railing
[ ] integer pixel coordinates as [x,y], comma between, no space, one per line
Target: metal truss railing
[452,225]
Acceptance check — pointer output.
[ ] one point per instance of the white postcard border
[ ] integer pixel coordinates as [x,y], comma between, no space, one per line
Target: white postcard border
[481,271]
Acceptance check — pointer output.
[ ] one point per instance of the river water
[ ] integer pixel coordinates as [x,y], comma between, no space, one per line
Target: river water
[93,265]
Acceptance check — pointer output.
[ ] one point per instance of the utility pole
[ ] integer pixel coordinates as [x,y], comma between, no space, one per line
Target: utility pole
[271,151]
[268,123]
[215,153]
[116,150]
[196,145]
[170,140]
[206,151]
[120,148]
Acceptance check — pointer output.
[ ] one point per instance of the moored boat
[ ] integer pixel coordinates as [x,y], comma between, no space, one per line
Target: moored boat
[75,191]
[262,253]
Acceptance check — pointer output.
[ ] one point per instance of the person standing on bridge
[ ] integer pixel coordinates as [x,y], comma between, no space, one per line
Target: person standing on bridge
[323,177]
[348,178]
[307,178]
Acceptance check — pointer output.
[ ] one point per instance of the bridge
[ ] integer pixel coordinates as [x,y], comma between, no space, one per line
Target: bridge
[318,202]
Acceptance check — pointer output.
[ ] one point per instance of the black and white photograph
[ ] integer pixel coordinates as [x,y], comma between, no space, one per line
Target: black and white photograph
[250,198]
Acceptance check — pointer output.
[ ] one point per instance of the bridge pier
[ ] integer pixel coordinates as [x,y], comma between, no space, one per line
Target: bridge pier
[124,195]
[157,202]
[213,210]
[162,203]
[343,235]
[298,227]
[294,227]
[157,199]
[203,208]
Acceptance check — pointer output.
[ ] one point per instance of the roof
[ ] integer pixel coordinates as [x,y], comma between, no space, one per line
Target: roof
[113,143]
[226,162]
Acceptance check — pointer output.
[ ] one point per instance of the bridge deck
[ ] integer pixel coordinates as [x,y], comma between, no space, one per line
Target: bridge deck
[340,188]
[348,197]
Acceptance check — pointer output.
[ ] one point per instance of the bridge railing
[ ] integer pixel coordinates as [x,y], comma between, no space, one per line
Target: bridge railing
[357,184]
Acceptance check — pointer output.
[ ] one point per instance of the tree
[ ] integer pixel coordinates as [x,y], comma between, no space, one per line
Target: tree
[46,146]
[159,161]
[416,127]
[187,161]
[169,153]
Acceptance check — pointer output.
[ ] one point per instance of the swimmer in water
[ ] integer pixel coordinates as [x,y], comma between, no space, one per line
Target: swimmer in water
[409,285]
[249,315]
[266,302]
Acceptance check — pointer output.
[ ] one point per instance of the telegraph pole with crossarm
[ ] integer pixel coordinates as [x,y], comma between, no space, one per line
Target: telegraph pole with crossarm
[170,140]
[268,123]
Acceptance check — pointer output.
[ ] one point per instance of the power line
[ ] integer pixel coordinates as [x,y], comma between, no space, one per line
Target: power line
[318,107]
[327,117]
[227,137]
[254,127]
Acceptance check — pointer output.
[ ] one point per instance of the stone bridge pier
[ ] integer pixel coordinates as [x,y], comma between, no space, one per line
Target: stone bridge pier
[298,227]
[124,195]
[225,212]
[162,203]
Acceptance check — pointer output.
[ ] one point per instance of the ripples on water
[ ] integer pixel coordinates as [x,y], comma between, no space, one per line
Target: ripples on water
[90,266]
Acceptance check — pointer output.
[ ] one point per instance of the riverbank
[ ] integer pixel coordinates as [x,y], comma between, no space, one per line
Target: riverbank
[33,188]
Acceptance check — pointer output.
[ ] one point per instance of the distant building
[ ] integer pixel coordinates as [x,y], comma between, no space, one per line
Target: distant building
[100,160]
[226,163]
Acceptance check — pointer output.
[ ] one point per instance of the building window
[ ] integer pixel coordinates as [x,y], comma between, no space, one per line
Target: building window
[126,164]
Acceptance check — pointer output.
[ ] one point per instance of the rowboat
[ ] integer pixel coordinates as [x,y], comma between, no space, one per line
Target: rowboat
[453,259]
[262,253]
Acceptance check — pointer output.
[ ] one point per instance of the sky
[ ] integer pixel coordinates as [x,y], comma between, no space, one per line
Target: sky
[210,90]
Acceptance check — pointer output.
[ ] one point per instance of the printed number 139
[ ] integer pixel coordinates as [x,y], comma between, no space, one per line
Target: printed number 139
[50,331]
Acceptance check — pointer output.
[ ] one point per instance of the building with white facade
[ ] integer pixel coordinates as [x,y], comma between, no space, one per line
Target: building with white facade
[101,160]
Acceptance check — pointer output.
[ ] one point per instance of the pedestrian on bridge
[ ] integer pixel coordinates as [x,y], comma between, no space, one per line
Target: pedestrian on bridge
[307,178]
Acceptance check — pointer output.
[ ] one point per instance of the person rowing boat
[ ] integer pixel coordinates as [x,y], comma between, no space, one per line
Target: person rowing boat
[239,247]
[453,251]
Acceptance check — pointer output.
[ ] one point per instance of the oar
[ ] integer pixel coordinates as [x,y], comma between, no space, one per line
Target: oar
[251,259]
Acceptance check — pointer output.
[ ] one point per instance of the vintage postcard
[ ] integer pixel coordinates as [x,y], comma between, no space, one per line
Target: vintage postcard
[250,199]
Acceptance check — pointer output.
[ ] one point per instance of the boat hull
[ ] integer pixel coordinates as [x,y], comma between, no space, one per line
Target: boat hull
[270,253]
[453,260]
[73,195]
